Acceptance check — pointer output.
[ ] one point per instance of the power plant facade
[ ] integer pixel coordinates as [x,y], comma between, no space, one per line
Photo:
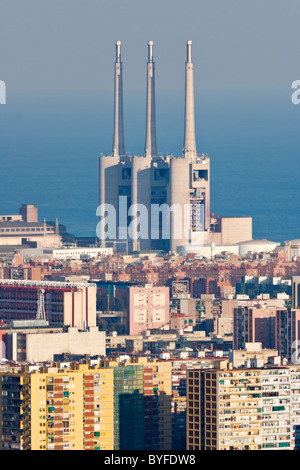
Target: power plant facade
[155,202]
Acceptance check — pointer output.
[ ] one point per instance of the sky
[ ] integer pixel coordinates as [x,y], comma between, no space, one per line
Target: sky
[70,44]
[245,55]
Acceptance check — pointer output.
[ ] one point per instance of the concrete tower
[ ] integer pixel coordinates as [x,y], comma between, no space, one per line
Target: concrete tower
[189,148]
[150,145]
[118,141]
[140,201]
[180,169]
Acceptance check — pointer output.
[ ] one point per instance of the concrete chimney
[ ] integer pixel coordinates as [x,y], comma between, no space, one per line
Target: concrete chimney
[118,141]
[150,145]
[189,149]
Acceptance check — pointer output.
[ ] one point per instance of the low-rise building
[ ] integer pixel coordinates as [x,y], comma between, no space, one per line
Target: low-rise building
[25,228]
[42,345]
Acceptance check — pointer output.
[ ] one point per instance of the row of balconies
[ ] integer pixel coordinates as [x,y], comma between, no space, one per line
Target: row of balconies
[237,397]
[247,425]
[272,416]
[277,439]
[239,403]
[270,423]
[240,433]
[236,441]
[278,432]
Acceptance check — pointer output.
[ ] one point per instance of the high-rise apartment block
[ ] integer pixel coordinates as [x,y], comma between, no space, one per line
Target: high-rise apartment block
[153,202]
[128,407]
[52,409]
[152,398]
[252,324]
[104,406]
[296,291]
[243,409]
[157,403]
[273,327]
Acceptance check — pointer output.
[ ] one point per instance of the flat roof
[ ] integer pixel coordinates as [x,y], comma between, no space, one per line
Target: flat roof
[12,248]
[20,224]
[50,284]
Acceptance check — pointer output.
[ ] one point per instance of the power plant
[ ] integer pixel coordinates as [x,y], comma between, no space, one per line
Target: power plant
[155,202]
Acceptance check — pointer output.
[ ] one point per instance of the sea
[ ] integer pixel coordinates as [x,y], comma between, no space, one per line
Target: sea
[50,143]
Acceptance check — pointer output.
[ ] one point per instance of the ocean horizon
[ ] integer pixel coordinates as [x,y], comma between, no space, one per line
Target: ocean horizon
[51,142]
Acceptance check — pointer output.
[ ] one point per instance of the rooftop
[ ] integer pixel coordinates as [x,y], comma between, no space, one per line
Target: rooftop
[50,284]
[20,224]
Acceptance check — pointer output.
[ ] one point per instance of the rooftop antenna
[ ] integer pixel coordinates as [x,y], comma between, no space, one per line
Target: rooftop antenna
[41,314]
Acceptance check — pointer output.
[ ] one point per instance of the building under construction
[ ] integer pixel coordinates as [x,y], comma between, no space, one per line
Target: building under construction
[161,202]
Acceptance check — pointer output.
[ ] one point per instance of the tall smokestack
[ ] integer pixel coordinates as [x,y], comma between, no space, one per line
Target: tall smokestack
[189,149]
[118,142]
[150,145]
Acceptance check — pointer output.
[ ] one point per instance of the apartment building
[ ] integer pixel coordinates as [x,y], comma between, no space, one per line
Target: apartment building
[156,428]
[57,409]
[243,409]
[76,406]
[148,308]
[275,328]
[254,324]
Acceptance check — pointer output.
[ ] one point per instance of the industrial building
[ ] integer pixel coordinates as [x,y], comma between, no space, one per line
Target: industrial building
[155,202]
[25,229]
[56,304]
[66,253]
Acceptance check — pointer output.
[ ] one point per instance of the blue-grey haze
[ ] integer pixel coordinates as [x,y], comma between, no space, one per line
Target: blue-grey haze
[50,143]
[69,44]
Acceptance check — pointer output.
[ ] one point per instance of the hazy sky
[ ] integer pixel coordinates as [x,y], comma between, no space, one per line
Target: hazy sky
[69,44]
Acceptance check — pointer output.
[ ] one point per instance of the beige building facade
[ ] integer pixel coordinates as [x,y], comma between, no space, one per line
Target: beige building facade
[26,228]
[243,409]
[41,347]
